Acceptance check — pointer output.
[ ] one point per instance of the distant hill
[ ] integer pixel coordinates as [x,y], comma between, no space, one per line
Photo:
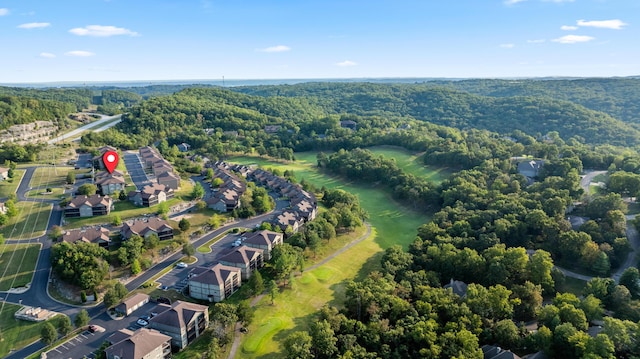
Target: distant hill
[20,110]
[447,106]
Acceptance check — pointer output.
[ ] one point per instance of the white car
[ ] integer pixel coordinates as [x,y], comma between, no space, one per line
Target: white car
[141,322]
[181,265]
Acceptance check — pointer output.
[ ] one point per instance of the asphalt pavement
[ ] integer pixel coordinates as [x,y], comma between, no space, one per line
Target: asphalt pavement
[135,169]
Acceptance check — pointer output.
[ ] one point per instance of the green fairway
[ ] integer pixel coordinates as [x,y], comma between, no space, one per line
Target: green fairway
[10,185]
[411,163]
[30,222]
[17,262]
[16,334]
[391,224]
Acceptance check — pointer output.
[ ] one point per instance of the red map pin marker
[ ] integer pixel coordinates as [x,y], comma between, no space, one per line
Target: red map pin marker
[110,159]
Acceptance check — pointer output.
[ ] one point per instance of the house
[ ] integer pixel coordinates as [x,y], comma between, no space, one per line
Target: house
[3,208]
[458,287]
[98,235]
[531,168]
[264,240]
[214,284]
[169,179]
[151,195]
[184,147]
[216,204]
[305,209]
[352,125]
[141,344]
[108,183]
[97,160]
[4,173]
[129,305]
[288,219]
[272,128]
[182,321]
[145,228]
[246,258]
[88,206]
[494,352]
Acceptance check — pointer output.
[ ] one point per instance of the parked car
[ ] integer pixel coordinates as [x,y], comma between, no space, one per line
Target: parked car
[141,322]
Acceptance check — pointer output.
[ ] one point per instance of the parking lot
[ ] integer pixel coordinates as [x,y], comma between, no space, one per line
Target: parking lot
[135,169]
[84,161]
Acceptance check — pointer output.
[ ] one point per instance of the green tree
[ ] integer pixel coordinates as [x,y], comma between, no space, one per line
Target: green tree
[298,345]
[55,233]
[48,333]
[184,224]
[224,314]
[135,267]
[116,220]
[11,208]
[213,349]
[87,189]
[256,283]
[209,175]
[82,318]
[188,250]
[163,208]
[323,339]
[245,312]
[630,278]
[71,177]
[198,191]
[272,288]
[284,259]
[64,325]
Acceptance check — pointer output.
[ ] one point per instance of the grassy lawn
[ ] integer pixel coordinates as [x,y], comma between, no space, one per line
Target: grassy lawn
[16,333]
[10,185]
[17,262]
[56,193]
[30,222]
[325,284]
[60,153]
[411,162]
[50,176]
[573,285]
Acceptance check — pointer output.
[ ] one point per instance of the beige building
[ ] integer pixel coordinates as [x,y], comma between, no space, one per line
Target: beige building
[264,240]
[182,321]
[214,284]
[83,206]
[246,258]
[141,344]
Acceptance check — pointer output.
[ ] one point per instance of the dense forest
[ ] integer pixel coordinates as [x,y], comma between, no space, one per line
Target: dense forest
[16,110]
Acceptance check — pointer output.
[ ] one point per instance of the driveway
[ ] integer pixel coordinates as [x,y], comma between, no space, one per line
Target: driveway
[135,169]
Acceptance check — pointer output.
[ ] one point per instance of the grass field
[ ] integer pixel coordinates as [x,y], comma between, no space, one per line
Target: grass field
[17,262]
[410,162]
[10,185]
[50,176]
[30,222]
[56,193]
[325,284]
[16,333]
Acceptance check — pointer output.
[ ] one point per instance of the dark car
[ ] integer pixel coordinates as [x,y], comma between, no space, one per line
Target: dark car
[164,300]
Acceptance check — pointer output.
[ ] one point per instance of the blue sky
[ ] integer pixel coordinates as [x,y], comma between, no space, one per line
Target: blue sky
[124,40]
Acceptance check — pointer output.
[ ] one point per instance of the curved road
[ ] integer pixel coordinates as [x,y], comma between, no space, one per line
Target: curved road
[86,127]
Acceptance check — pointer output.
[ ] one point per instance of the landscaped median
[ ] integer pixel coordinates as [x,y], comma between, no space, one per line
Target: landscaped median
[17,263]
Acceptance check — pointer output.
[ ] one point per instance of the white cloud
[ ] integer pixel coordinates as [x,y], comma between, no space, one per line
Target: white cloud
[34,25]
[4,11]
[568,28]
[614,24]
[278,48]
[102,31]
[507,46]
[512,2]
[536,41]
[79,53]
[47,55]
[346,63]
[573,39]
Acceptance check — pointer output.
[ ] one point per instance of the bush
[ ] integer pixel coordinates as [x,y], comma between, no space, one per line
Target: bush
[83,296]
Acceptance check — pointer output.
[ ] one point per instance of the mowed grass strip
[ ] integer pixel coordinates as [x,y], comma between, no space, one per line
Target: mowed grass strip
[411,163]
[10,185]
[16,333]
[30,222]
[17,263]
[50,176]
[391,224]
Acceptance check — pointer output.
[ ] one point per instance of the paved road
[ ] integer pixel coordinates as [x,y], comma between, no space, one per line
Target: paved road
[81,129]
[108,125]
[134,167]
[585,181]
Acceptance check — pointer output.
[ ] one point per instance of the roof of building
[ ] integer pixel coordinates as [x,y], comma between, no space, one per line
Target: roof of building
[106,180]
[218,274]
[167,175]
[91,201]
[141,227]
[242,255]
[136,345]
[263,237]
[178,314]
[88,235]
[288,218]
[458,287]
